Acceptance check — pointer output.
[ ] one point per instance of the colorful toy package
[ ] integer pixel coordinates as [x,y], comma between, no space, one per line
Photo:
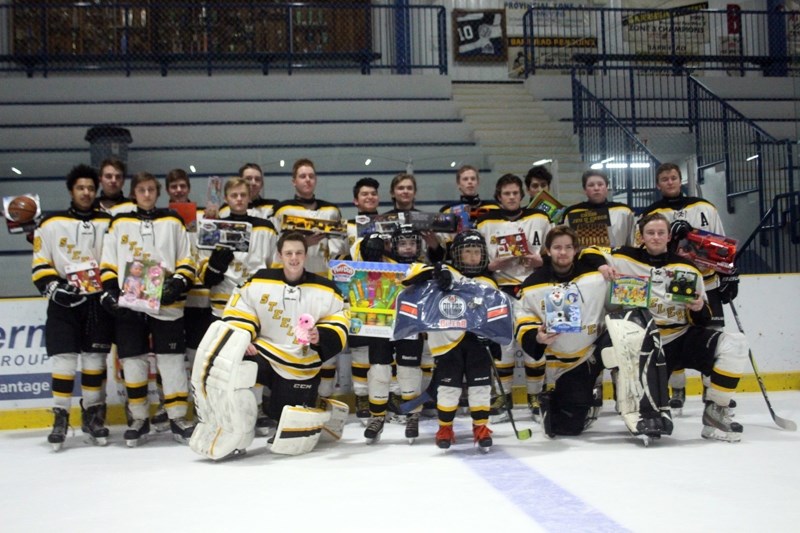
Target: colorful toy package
[630,291]
[709,250]
[142,285]
[563,310]
[682,286]
[85,277]
[371,288]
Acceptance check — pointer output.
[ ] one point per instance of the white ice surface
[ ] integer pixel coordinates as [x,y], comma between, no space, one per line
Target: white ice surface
[604,480]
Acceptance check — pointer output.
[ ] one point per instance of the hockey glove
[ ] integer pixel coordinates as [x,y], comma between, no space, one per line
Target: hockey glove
[372,248]
[219,260]
[728,286]
[110,302]
[174,287]
[64,294]
[443,277]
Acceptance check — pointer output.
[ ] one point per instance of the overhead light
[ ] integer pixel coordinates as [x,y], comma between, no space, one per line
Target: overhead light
[282,163]
[452,164]
[542,162]
[191,167]
[367,162]
[15,170]
[616,165]
[752,157]
[640,165]
[607,160]
[597,166]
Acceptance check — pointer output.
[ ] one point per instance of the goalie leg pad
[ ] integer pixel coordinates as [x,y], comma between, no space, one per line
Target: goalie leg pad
[299,430]
[641,381]
[221,381]
[338,411]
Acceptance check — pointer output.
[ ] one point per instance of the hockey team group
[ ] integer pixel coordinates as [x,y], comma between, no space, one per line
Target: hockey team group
[261,326]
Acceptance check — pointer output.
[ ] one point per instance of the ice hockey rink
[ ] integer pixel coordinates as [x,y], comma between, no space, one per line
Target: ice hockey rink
[604,480]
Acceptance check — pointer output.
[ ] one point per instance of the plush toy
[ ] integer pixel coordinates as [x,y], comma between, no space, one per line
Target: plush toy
[304,324]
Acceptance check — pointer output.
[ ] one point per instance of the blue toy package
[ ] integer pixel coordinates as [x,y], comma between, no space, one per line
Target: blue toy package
[468,306]
[562,309]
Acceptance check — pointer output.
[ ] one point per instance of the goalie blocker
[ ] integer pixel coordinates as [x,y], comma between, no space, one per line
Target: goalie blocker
[226,405]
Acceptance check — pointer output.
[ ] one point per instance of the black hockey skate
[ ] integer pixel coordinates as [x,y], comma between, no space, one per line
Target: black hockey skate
[182,429]
[362,409]
[160,420]
[444,437]
[136,432]
[412,427]
[483,437]
[57,437]
[717,424]
[396,414]
[93,423]
[374,429]
[547,421]
[677,400]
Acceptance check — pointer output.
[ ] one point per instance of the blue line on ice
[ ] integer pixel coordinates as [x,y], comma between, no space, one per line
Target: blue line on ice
[549,505]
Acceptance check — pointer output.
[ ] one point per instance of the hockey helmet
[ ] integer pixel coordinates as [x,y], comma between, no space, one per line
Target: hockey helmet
[464,241]
[406,244]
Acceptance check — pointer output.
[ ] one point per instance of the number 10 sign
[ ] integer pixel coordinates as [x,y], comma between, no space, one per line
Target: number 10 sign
[479,35]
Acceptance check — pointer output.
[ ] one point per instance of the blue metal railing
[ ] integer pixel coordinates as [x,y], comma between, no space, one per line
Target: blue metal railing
[215,35]
[774,245]
[607,144]
[564,37]
[754,161]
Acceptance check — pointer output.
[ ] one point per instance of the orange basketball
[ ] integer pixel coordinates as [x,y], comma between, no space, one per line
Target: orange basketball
[22,209]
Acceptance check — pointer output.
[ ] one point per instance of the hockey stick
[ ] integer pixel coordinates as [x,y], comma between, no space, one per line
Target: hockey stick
[525,434]
[781,422]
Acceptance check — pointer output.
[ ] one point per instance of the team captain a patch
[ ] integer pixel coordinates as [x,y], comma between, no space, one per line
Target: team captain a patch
[452,308]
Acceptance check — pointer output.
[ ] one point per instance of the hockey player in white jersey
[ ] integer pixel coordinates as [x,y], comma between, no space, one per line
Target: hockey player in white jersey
[687,341]
[77,327]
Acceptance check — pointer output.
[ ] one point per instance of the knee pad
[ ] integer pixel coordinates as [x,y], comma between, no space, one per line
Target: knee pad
[410,380]
[568,420]
[221,381]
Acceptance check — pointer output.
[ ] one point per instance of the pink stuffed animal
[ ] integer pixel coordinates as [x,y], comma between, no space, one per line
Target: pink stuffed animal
[304,324]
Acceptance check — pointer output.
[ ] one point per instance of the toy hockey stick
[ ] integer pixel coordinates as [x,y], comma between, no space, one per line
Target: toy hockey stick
[781,422]
[525,434]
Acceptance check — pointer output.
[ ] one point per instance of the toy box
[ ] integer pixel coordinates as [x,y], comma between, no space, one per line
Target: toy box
[224,233]
[709,250]
[548,205]
[313,225]
[371,288]
[85,276]
[515,245]
[142,285]
[630,291]
[188,213]
[682,286]
[562,309]
[591,225]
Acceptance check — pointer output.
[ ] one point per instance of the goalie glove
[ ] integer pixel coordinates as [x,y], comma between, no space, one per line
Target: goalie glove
[64,294]
[174,287]
[443,277]
[728,286]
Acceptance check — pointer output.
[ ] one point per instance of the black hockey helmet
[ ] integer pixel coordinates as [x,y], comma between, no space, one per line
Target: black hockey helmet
[464,240]
[402,237]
